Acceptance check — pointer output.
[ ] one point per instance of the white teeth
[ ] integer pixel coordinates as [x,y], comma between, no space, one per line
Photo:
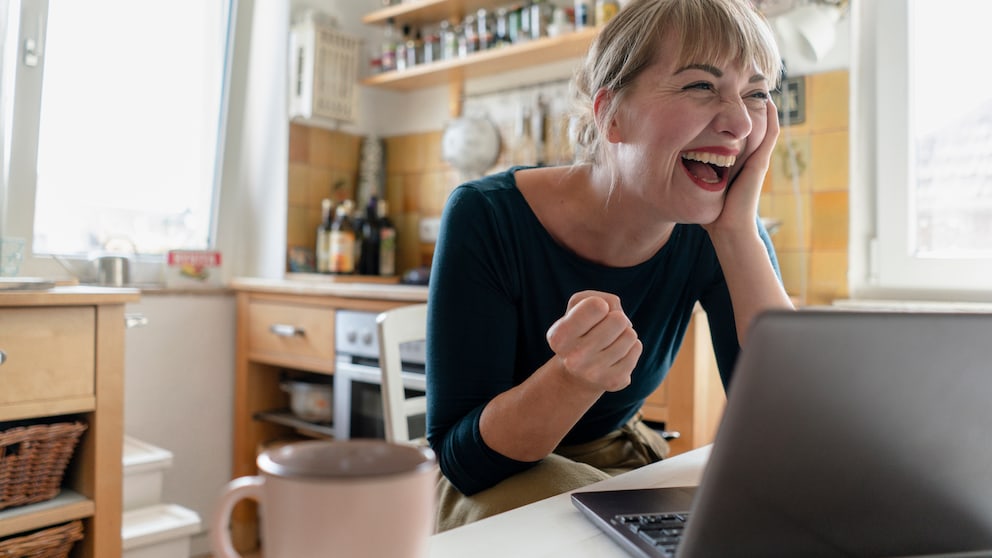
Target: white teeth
[710,158]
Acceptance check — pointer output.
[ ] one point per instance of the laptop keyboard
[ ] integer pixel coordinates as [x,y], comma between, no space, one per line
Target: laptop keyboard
[662,531]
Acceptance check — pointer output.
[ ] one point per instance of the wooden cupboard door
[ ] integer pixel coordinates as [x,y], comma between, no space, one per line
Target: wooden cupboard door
[49,354]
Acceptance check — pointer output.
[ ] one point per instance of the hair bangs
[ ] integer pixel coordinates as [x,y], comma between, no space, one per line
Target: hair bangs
[716,32]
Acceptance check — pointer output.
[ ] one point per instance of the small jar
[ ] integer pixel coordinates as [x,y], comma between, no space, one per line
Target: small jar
[449,41]
[432,48]
[605,10]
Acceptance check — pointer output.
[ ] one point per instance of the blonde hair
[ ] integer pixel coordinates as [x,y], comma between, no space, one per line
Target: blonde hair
[705,31]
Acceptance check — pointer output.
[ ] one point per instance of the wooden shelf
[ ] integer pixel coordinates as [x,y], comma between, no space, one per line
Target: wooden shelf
[428,12]
[488,62]
[68,505]
[286,418]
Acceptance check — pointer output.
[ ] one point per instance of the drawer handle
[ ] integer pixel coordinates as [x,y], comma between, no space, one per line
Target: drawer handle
[286,330]
[3,356]
[135,320]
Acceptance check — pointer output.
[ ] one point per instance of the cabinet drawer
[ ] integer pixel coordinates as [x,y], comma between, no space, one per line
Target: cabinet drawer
[49,353]
[293,335]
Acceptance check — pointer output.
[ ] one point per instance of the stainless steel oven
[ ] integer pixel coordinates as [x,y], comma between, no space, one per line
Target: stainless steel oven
[357,378]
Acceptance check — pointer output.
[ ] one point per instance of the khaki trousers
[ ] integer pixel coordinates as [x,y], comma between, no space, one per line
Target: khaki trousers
[568,468]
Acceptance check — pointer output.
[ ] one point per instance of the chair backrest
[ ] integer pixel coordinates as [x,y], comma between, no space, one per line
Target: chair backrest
[397,326]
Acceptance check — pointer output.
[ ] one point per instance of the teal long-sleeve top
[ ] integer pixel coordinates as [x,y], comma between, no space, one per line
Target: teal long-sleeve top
[499,281]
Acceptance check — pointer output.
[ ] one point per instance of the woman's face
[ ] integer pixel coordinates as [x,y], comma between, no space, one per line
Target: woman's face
[684,132]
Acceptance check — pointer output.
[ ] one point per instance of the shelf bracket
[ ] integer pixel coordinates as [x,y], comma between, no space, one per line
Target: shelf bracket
[456,92]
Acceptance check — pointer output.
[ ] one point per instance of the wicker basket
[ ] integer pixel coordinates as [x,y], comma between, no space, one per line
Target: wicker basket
[33,460]
[54,542]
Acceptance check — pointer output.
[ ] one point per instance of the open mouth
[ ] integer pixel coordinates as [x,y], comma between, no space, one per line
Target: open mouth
[708,168]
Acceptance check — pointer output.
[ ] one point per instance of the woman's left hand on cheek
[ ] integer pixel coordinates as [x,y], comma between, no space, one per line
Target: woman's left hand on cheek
[740,207]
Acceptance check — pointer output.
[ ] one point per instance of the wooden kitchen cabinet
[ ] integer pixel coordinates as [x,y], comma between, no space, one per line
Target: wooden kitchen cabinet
[690,400]
[63,358]
[286,325]
[478,64]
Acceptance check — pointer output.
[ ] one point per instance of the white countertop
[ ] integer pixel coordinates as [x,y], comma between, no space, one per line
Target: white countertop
[554,527]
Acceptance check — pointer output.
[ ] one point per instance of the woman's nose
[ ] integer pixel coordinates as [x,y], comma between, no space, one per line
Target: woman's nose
[734,118]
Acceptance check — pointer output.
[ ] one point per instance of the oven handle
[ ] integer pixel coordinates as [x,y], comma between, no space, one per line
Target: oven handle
[345,371]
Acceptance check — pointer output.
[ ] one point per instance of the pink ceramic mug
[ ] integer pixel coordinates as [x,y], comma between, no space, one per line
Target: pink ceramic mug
[336,499]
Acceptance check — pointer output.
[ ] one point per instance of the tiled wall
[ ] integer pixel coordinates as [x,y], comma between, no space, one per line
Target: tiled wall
[322,164]
[418,182]
[807,189]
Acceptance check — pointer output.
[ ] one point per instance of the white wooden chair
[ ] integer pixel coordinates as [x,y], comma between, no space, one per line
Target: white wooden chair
[397,326]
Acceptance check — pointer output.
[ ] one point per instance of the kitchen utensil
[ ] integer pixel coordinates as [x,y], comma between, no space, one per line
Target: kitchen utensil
[309,401]
[113,270]
[347,499]
[471,144]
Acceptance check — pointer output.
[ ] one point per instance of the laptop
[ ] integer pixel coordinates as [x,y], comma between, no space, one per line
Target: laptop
[845,434]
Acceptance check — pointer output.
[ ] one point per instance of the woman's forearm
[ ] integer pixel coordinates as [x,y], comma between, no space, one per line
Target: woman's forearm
[753,283]
[528,422]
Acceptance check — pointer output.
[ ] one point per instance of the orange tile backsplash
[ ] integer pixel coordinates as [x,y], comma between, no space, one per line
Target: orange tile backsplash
[811,161]
[810,164]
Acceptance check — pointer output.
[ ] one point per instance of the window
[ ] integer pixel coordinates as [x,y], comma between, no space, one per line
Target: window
[121,152]
[933,143]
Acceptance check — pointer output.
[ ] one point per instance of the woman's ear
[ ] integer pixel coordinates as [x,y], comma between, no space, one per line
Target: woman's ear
[600,105]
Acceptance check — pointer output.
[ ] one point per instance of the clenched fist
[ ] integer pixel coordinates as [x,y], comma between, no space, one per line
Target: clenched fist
[595,341]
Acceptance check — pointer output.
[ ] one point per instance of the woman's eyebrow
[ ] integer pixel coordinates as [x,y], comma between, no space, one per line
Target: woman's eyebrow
[704,67]
[717,72]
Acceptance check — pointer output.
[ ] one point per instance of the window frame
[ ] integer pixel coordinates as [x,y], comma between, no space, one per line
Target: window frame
[882,152]
[19,141]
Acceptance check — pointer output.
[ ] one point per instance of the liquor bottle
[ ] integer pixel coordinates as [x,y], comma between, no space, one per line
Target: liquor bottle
[322,251]
[525,150]
[387,240]
[371,240]
[341,245]
[357,225]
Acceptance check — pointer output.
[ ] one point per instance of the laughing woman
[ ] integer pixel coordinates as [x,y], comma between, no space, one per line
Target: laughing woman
[559,296]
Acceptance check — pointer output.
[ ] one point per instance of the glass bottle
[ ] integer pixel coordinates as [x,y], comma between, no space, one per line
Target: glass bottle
[583,14]
[389,42]
[402,59]
[502,35]
[538,19]
[449,41]
[321,252]
[387,240]
[371,240]
[525,152]
[470,35]
[341,242]
[484,30]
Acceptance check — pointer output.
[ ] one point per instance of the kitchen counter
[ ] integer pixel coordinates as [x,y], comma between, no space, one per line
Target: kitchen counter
[330,287]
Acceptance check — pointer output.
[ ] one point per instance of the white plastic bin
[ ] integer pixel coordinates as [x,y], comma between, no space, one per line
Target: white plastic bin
[144,468]
[160,531]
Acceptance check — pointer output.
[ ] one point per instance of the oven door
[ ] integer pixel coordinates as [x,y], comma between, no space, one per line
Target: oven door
[358,401]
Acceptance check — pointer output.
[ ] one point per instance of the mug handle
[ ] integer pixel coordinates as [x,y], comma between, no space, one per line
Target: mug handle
[235,491]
